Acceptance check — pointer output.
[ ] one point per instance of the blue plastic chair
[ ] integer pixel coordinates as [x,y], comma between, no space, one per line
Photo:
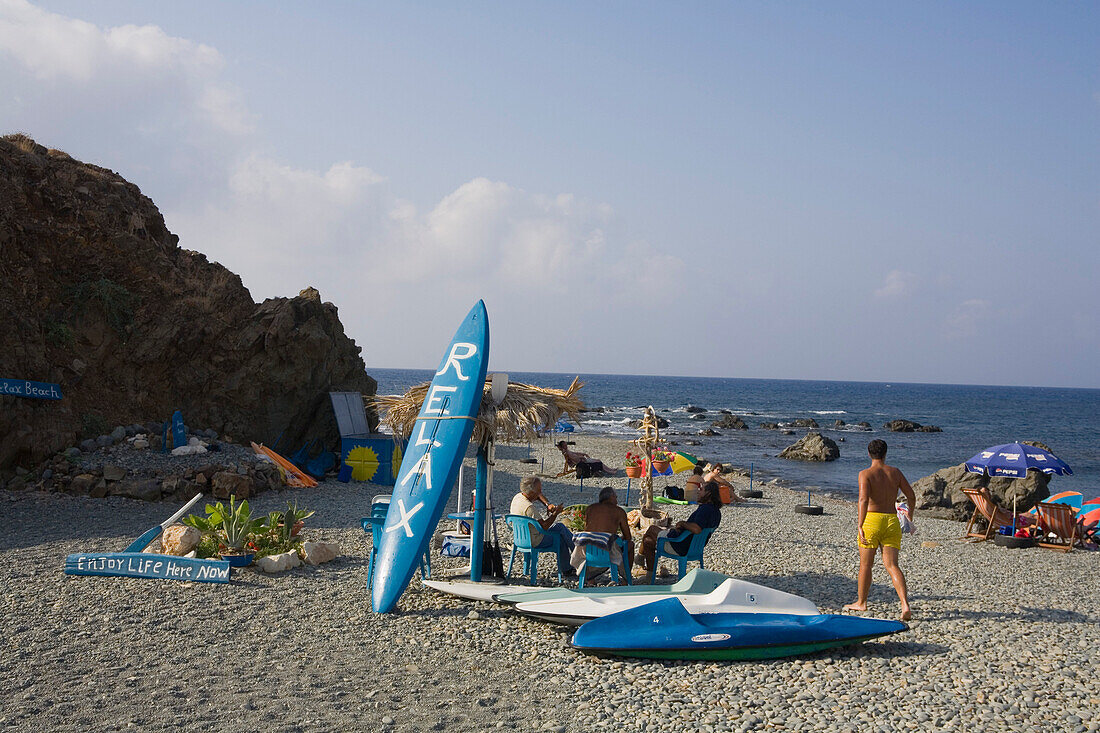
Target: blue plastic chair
[521,541]
[373,524]
[598,557]
[694,552]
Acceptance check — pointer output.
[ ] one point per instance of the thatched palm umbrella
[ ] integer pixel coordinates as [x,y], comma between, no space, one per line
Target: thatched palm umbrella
[524,414]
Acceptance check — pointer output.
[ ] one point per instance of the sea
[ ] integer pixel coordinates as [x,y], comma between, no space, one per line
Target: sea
[972,418]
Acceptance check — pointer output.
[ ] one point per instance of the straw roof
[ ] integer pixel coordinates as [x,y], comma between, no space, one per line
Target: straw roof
[525,412]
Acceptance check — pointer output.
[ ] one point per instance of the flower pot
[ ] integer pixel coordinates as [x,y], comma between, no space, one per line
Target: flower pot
[238,560]
[660,466]
[633,471]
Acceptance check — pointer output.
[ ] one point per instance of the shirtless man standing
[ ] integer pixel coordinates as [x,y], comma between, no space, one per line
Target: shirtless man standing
[878,525]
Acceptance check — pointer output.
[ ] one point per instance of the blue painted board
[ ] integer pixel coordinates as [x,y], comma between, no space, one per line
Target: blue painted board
[147,565]
[32,390]
[430,465]
[179,431]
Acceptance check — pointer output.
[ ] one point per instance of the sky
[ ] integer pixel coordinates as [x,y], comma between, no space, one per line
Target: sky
[845,191]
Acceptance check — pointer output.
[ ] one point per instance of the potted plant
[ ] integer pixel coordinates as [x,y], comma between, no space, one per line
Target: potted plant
[634,464]
[231,527]
[661,458]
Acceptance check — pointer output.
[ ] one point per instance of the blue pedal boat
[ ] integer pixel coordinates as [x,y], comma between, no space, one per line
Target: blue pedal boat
[665,630]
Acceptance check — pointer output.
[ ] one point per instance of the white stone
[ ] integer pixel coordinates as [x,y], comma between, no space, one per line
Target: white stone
[179,540]
[316,553]
[279,563]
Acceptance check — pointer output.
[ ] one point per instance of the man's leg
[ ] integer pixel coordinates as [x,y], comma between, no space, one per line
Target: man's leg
[890,560]
[866,564]
[565,547]
[649,546]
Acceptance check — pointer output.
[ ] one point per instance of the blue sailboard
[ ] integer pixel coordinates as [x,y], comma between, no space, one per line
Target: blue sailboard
[430,465]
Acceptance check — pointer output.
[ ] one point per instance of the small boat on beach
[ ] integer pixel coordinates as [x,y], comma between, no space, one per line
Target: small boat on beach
[732,595]
[666,629]
[483,591]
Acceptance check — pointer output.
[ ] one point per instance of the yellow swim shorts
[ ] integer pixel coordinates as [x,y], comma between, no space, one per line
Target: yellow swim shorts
[881,529]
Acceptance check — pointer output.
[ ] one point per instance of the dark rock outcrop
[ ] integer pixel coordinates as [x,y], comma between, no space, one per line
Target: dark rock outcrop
[661,423]
[730,422]
[769,426]
[694,409]
[908,426]
[812,447]
[96,295]
[804,422]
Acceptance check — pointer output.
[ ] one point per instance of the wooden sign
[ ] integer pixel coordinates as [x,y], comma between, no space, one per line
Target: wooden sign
[27,388]
[147,565]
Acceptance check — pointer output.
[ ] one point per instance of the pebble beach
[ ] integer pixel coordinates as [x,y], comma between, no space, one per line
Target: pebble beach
[1001,639]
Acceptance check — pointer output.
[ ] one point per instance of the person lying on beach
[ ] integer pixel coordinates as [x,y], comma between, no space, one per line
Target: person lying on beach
[606,519]
[572,458]
[707,515]
[713,472]
[877,525]
[526,503]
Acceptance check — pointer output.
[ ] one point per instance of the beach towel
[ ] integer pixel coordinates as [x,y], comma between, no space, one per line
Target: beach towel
[906,522]
[603,540]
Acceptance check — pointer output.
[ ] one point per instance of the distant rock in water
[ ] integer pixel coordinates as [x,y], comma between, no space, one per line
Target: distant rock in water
[98,296]
[908,426]
[812,447]
[694,409]
[769,426]
[730,422]
[804,422]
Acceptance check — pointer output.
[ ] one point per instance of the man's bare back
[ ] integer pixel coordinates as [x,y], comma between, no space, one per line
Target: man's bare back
[608,518]
[883,483]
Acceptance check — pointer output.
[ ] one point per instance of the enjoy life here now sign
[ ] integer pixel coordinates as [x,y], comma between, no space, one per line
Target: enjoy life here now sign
[27,388]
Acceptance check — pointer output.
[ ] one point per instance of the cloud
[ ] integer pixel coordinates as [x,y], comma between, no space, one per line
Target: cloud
[967,320]
[138,70]
[897,284]
[159,109]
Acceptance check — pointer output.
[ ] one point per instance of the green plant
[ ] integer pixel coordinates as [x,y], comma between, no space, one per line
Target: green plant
[94,424]
[230,526]
[662,454]
[575,517]
[633,460]
[115,300]
[59,334]
[278,530]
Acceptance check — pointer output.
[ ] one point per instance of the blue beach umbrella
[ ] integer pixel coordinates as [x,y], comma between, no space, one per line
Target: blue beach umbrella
[1013,460]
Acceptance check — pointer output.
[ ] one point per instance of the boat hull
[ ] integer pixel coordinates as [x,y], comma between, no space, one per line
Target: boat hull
[431,462]
[666,630]
[697,581]
[483,591]
[731,596]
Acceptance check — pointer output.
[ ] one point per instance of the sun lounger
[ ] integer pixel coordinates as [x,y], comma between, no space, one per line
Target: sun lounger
[1058,528]
[987,509]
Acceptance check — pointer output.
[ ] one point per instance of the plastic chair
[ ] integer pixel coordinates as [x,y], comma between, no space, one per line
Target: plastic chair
[379,506]
[694,552]
[598,557]
[521,541]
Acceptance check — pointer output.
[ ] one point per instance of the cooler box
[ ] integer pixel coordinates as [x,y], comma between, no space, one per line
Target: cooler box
[372,457]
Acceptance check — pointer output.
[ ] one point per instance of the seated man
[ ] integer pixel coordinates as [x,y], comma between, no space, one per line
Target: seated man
[603,522]
[708,515]
[526,503]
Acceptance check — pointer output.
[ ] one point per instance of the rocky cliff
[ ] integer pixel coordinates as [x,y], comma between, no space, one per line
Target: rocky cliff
[97,296]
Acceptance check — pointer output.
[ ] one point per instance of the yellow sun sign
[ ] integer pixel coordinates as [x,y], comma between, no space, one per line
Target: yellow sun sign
[363,462]
[397,456]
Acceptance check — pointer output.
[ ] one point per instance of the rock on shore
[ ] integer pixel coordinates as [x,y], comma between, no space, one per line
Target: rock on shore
[812,447]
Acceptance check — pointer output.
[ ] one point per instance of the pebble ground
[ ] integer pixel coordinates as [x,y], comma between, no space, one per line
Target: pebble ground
[1002,639]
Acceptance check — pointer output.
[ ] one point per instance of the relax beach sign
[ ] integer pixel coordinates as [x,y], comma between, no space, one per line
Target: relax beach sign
[27,388]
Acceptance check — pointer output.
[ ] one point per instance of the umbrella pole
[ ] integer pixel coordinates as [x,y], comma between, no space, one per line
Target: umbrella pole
[477,531]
